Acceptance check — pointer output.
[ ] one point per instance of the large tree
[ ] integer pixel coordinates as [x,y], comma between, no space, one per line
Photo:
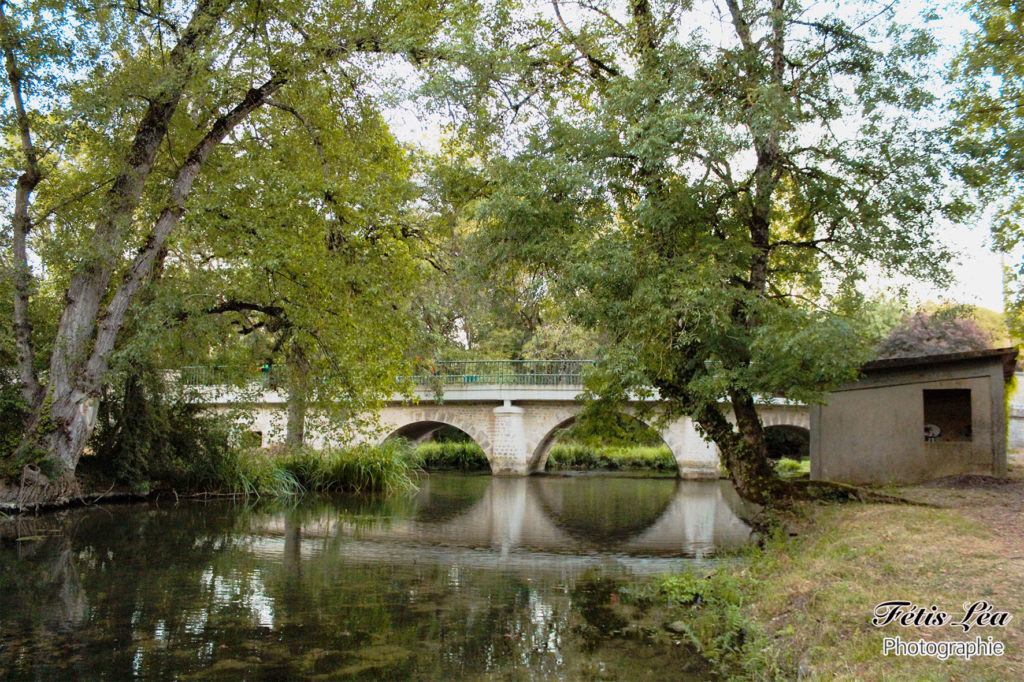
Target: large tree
[150,94]
[989,129]
[301,263]
[709,187]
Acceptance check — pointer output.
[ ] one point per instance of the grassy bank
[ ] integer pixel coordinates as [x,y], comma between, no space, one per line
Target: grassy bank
[467,456]
[801,607]
[267,472]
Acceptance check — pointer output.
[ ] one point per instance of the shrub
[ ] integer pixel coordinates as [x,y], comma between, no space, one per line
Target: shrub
[718,622]
[13,414]
[790,467]
[460,455]
[581,456]
[142,437]
[934,334]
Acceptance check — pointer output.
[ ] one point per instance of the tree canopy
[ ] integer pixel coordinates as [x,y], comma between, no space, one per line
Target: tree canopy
[989,128]
[692,192]
[709,198]
[933,334]
[137,130]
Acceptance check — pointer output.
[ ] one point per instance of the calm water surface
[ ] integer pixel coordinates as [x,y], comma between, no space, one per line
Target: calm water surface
[472,577]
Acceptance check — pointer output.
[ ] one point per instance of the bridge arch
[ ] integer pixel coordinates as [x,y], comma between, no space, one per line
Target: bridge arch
[417,425]
[787,431]
[563,419]
[785,416]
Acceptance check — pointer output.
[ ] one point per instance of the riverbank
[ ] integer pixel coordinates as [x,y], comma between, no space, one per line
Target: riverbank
[801,606]
[275,472]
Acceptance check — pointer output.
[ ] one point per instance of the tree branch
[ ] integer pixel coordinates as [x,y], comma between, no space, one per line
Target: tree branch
[21,222]
[142,265]
[596,65]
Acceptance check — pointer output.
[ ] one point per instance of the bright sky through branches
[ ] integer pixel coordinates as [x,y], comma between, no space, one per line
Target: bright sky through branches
[979,271]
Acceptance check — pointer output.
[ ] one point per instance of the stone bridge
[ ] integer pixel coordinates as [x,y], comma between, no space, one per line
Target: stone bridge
[517,425]
[515,411]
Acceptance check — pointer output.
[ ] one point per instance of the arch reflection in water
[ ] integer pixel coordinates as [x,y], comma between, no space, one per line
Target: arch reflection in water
[473,577]
[574,515]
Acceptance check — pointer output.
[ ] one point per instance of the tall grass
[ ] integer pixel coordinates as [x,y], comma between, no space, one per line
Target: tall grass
[387,468]
[580,456]
[461,455]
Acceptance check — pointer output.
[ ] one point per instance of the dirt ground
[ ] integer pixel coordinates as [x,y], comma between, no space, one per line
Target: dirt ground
[996,502]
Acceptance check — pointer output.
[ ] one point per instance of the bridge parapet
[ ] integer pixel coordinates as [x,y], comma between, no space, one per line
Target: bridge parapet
[501,372]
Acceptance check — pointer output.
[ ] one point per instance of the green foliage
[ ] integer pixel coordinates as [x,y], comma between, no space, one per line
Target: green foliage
[602,424]
[460,455]
[386,468]
[716,612]
[217,184]
[682,589]
[989,129]
[790,468]
[13,415]
[145,434]
[569,455]
[706,222]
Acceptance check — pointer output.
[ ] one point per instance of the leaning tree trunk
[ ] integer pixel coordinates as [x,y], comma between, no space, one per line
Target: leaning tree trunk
[62,422]
[744,453]
[68,415]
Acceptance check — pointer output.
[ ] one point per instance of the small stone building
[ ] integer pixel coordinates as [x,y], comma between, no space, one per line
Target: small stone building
[913,419]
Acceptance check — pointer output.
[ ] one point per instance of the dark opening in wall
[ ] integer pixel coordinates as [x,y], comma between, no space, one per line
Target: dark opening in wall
[947,414]
[251,439]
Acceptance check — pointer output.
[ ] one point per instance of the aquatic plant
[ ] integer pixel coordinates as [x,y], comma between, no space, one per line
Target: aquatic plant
[582,456]
[462,455]
[389,467]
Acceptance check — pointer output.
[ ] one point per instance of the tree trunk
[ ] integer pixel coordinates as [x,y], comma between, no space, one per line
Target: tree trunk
[744,454]
[74,389]
[21,222]
[63,421]
[298,391]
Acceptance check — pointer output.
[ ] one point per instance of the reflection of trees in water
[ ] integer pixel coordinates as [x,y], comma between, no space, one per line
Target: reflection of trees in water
[124,569]
[155,593]
[39,572]
[601,510]
[437,504]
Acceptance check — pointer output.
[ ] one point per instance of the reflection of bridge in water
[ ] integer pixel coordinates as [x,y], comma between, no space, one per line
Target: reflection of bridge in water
[491,521]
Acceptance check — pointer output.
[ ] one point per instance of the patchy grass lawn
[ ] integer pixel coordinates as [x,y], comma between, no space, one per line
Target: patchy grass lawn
[808,598]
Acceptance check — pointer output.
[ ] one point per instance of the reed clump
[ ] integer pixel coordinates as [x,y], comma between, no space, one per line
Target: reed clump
[386,468]
[613,457]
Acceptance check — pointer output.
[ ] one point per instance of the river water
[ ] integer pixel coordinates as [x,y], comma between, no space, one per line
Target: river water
[472,577]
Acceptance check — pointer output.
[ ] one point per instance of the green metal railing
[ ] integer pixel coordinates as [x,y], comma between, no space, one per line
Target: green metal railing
[429,374]
[517,372]
[215,375]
